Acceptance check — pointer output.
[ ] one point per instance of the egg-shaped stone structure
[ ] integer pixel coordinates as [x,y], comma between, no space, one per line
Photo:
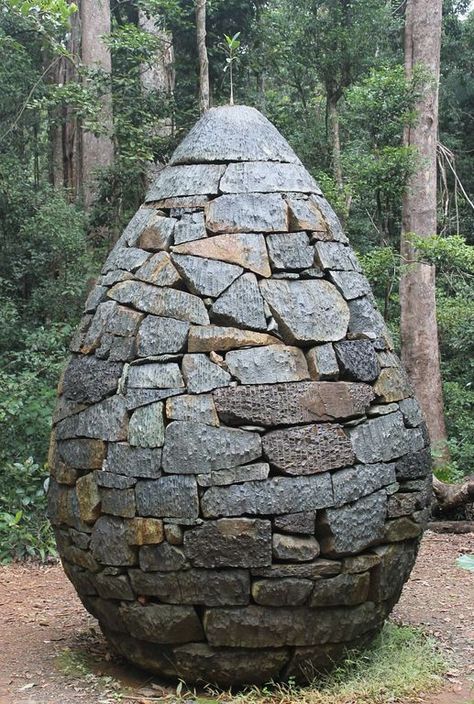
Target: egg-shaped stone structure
[240,474]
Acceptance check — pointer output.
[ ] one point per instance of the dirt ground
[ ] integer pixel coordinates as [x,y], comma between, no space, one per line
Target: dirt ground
[46,637]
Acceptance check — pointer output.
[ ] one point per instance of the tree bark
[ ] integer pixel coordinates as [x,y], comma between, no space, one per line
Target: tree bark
[452,496]
[334,138]
[204,99]
[419,332]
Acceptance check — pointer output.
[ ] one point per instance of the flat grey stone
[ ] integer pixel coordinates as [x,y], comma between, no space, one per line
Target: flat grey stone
[241,305]
[336,256]
[270,364]
[173,497]
[282,592]
[195,586]
[127,258]
[357,360]
[109,542]
[191,226]
[186,180]
[122,321]
[247,250]
[106,420]
[291,403]
[157,234]
[235,475]
[162,623]
[96,296]
[166,302]
[305,214]
[302,523]
[343,590]
[247,212]
[118,502]
[414,465]
[114,276]
[290,251]
[134,398]
[309,570]
[137,224]
[159,271]
[266,177]
[354,482]
[197,408]
[307,311]
[351,284]
[230,542]
[322,362]
[161,336]
[331,218]
[205,277]
[161,558]
[233,133]
[278,495]
[308,449]
[196,448]
[146,427]
[365,319]
[82,454]
[412,413]
[353,527]
[385,438]
[113,586]
[294,548]
[202,375]
[154,376]
[111,480]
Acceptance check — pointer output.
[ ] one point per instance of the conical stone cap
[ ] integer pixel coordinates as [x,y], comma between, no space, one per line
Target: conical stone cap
[239,470]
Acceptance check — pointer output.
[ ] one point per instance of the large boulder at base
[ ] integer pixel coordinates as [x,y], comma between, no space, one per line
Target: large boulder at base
[229,484]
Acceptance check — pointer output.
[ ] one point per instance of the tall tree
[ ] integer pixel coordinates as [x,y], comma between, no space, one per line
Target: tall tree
[204,98]
[419,332]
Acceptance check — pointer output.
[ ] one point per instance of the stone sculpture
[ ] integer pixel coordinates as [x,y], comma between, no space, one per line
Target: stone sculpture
[240,474]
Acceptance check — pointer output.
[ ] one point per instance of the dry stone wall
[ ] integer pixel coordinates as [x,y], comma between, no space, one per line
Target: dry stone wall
[239,471]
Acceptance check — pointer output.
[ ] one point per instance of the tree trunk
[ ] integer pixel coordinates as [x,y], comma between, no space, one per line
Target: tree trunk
[452,496]
[202,53]
[97,152]
[419,332]
[334,139]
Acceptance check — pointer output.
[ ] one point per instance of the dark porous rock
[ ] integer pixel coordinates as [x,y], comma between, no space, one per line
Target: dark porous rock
[308,449]
[392,385]
[354,482]
[202,375]
[290,251]
[401,529]
[278,495]
[106,420]
[263,365]
[305,570]
[343,590]
[161,558]
[357,360]
[302,522]
[241,304]
[307,311]
[133,461]
[146,426]
[291,403]
[82,454]
[265,177]
[206,277]
[230,542]
[384,439]
[412,413]
[161,336]
[322,362]
[216,338]
[196,448]
[396,563]
[113,587]
[88,379]
[162,623]
[403,504]
[353,527]
[109,542]
[247,250]
[196,408]
[110,480]
[235,475]
[336,256]
[118,502]
[351,284]
[172,497]
[193,586]
[365,320]
[282,592]
[196,179]
[294,548]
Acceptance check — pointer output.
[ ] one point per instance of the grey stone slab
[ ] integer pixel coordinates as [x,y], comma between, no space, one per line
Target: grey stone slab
[357,360]
[336,256]
[351,284]
[382,409]
[195,587]
[392,385]
[127,258]
[387,359]
[331,218]
[113,586]
[89,338]
[216,338]
[196,448]
[235,475]
[118,502]
[157,234]
[308,449]
[159,335]
[205,277]
[230,542]
[137,224]
[282,592]
[202,375]
[183,203]
[96,296]
[162,558]
[305,214]
[241,304]
[159,270]
[343,590]
[271,364]
[322,362]
[82,454]
[185,180]
[109,542]
[122,321]
[106,420]
[199,409]
[307,311]
[267,177]
[111,480]
[412,413]
[290,251]
[191,226]
[135,398]
[278,495]
[154,376]
[353,527]
[294,548]
[165,302]
[385,438]
[114,276]
[302,523]
[146,427]
[247,250]
[247,212]
[365,320]
[162,623]
[309,570]
[291,403]
[173,497]
[354,482]
[414,465]
[233,133]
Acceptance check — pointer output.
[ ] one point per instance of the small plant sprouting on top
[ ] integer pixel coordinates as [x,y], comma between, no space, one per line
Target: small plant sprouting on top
[231,48]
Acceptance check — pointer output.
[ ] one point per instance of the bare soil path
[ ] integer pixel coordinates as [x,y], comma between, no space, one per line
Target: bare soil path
[46,637]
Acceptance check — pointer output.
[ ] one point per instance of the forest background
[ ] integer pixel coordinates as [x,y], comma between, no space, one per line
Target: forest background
[80,136]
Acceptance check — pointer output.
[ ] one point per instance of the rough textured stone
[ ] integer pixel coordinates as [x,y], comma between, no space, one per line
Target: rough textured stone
[146,427]
[247,250]
[215,338]
[191,226]
[109,542]
[161,336]
[365,320]
[161,558]
[295,523]
[392,385]
[118,502]
[322,362]
[248,212]
[343,590]
[385,438]
[354,527]
[294,548]
[401,529]
[148,229]
[305,570]
[357,360]
[336,256]
[241,305]
[82,454]
[305,214]
[88,498]
[308,449]
[262,365]
[206,277]
[199,409]
[88,379]
[186,180]
[351,284]
[272,496]
[265,177]
[159,271]
[154,376]
[360,563]
[196,448]
[414,465]
[133,461]
[291,403]
[202,375]
[128,258]
[354,482]
[106,420]
[290,251]
[235,475]
[161,623]
[135,398]
[170,497]
[412,413]
[230,542]
[307,311]
[145,531]
[282,592]
[113,587]
[165,302]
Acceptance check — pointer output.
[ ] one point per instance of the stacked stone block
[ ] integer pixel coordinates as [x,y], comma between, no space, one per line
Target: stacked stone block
[239,471]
